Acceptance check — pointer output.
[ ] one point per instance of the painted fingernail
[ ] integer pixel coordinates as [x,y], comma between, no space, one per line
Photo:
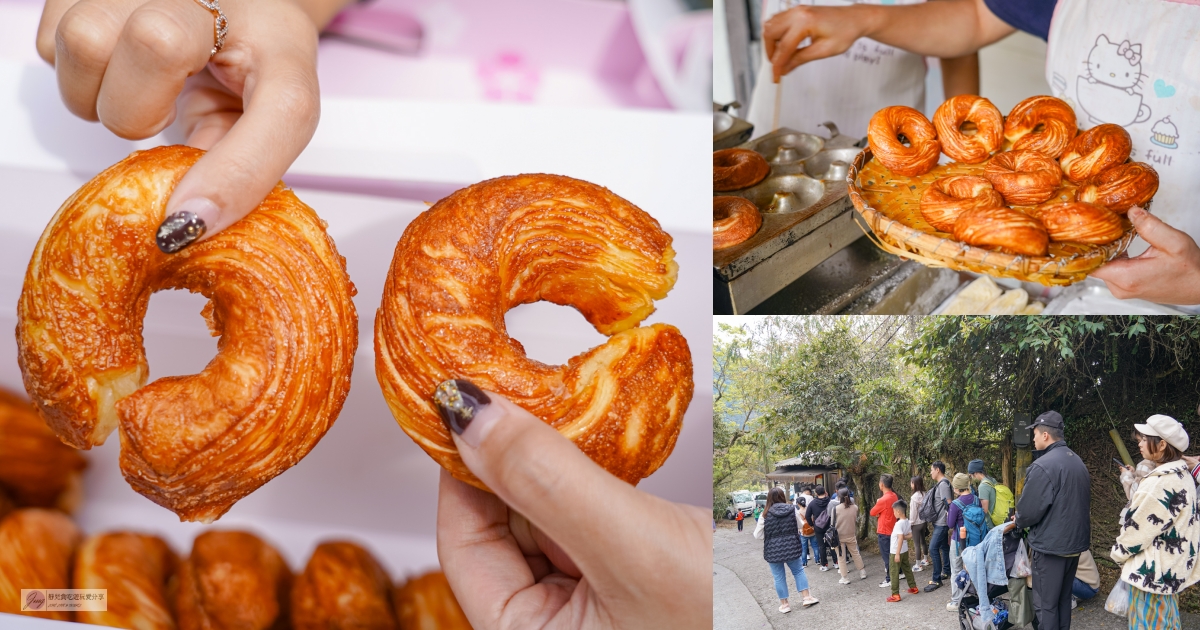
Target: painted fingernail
[178,231]
[460,403]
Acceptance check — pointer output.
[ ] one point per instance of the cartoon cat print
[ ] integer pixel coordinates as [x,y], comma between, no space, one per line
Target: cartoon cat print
[1108,90]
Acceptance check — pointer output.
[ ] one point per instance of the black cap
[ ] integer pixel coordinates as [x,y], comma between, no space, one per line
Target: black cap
[1051,419]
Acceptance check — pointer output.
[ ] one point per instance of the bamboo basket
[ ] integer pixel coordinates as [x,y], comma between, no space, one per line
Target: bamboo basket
[890,204]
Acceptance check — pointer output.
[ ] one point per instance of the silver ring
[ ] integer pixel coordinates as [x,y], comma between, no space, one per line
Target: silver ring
[220,26]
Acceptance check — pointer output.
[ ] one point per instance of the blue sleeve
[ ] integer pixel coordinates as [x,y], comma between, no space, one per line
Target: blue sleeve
[1031,16]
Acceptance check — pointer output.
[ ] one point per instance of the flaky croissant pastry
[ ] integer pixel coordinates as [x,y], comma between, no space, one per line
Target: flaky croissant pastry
[232,581]
[342,588]
[35,466]
[1004,229]
[427,603]
[1121,187]
[136,569]
[35,552]
[279,299]
[1041,123]
[1024,177]
[948,197]
[1079,222]
[885,132]
[958,110]
[1095,151]
[477,253]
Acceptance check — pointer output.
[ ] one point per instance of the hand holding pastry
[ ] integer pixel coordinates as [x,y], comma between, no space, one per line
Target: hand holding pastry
[1167,273]
[543,551]
[138,65]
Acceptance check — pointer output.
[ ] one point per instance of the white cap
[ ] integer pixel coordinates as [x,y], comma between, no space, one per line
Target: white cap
[1167,428]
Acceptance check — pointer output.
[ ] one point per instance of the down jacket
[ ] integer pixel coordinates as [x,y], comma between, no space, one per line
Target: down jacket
[1160,532]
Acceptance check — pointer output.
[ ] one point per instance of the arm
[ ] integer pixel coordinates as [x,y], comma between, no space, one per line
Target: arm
[877,511]
[1136,529]
[1168,272]
[758,529]
[960,75]
[1035,498]
[947,29]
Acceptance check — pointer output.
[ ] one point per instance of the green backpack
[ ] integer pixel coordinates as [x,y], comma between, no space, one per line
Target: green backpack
[1004,501]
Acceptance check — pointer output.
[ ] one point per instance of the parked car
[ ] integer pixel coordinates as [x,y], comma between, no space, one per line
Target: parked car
[739,501]
[760,500]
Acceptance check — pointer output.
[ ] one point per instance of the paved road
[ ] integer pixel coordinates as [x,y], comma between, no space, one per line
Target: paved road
[740,575]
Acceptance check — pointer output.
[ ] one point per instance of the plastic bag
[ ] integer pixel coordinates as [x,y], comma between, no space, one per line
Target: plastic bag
[1021,566]
[1118,599]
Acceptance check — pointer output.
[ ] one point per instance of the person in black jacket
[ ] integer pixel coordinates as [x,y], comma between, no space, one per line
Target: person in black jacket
[781,547]
[1055,506]
[816,508]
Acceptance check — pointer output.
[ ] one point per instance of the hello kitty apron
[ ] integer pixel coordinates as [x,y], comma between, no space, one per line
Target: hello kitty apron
[1136,63]
[846,89]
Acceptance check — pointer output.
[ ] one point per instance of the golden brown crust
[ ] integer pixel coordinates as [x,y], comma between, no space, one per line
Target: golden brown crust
[232,581]
[1121,187]
[948,197]
[1002,228]
[1095,151]
[1080,222]
[1041,123]
[735,219]
[513,240]
[989,128]
[427,603]
[280,299]
[735,169]
[1024,178]
[35,466]
[35,552]
[136,569]
[342,588]
[883,135]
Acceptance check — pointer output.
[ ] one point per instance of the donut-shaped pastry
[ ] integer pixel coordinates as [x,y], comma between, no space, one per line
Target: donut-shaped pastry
[136,570]
[1025,178]
[979,112]
[1040,123]
[484,249]
[735,169]
[1121,187]
[1095,151]
[1002,228]
[948,197]
[735,219]
[35,466]
[343,586]
[427,602]
[885,131]
[279,300]
[36,546]
[1079,222]
[232,579]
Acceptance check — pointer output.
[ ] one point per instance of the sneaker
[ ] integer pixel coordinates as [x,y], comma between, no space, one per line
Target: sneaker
[809,601]
[914,590]
[917,568]
[925,561]
[885,584]
[894,598]
[785,608]
[843,581]
[933,586]
[824,568]
[951,606]
[862,575]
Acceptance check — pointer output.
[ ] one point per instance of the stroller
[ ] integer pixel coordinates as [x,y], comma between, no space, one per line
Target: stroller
[1013,602]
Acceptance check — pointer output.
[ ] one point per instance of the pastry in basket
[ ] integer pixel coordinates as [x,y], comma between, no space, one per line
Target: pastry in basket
[1095,151]
[889,131]
[735,219]
[136,569]
[1121,187]
[280,300]
[973,111]
[342,587]
[735,169]
[1025,178]
[36,468]
[427,603]
[1003,229]
[462,264]
[1079,222]
[948,197]
[35,552]
[232,580]
[1040,123]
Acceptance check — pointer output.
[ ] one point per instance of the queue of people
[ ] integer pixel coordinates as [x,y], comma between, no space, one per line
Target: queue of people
[1156,546]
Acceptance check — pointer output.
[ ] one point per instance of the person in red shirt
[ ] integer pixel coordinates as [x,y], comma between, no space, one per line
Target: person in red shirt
[739,518]
[887,520]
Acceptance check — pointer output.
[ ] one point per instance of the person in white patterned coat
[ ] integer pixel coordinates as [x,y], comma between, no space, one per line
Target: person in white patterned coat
[1160,528]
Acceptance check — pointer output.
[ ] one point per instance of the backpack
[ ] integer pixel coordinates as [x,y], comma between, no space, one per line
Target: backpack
[1004,502]
[929,507]
[822,520]
[831,534]
[976,521]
